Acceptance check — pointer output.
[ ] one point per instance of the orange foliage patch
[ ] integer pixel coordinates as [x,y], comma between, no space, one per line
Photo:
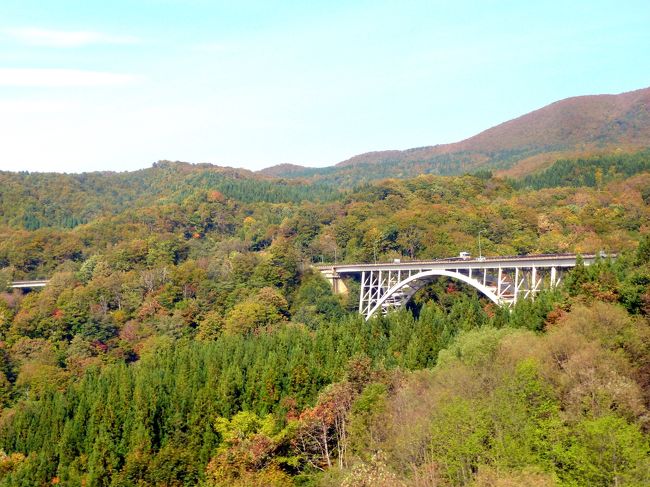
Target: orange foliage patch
[215,196]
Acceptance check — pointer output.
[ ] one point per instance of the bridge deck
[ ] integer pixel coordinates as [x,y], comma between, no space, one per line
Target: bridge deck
[513,261]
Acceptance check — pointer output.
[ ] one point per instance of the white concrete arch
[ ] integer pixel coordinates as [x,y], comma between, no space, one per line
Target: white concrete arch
[435,273]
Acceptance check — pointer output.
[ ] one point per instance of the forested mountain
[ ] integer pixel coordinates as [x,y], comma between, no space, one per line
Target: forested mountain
[583,125]
[184,338]
[65,200]
[590,205]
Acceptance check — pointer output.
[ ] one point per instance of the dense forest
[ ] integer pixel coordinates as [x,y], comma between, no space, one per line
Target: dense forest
[593,172]
[185,339]
[40,200]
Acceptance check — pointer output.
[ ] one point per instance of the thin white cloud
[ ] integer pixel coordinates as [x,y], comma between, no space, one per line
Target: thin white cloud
[33,77]
[63,38]
[13,107]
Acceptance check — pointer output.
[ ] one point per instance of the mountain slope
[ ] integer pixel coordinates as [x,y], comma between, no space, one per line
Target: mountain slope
[35,200]
[574,126]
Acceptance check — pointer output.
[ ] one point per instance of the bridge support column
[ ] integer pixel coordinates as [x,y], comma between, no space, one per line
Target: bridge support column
[362,292]
[514,299]
[534,277]
[337,284]
[499,280]
[553,276]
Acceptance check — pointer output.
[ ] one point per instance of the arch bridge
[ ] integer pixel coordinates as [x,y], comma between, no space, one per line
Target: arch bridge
[504,280]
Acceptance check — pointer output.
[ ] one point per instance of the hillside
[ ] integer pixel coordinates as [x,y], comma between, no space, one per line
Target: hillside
[575,126]
[184,340]
[35,200]
[283,170]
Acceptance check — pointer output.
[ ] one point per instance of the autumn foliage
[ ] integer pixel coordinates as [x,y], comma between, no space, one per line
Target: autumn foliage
[184,337]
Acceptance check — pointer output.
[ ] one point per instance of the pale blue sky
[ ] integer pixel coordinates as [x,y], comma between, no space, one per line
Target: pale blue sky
[89,85]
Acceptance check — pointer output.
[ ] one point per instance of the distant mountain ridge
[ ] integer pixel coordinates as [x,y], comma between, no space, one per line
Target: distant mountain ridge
[37,200]
[573,126]
[282,170]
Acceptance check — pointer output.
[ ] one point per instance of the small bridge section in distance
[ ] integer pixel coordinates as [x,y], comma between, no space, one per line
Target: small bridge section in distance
[504,280]
[29,284]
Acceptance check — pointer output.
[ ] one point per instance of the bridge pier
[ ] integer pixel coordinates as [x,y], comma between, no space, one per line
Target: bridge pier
[335,280]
